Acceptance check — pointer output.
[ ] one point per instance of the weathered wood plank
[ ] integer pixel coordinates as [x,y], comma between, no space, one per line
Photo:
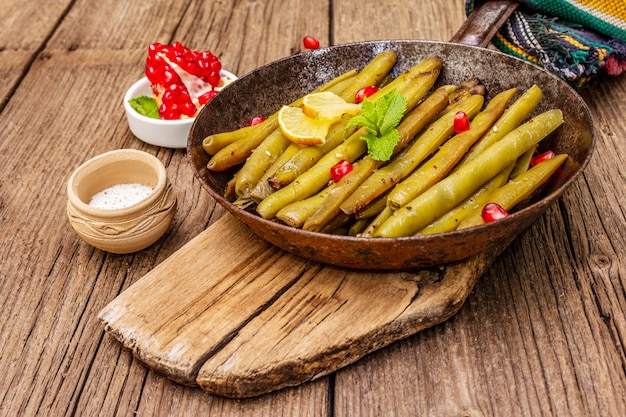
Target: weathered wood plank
[248,34]
[18,50]
[396,19]
[49,298]
[25,25]
[543,331]
[488,359]
[240,318]
[12,65]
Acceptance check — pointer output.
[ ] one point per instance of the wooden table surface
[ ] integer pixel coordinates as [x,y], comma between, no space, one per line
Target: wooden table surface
[543,333]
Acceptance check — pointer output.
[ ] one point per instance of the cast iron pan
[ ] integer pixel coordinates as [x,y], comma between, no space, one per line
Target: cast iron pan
[265,89]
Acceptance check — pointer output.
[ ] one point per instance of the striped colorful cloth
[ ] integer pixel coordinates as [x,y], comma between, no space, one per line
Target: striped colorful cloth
[578,40]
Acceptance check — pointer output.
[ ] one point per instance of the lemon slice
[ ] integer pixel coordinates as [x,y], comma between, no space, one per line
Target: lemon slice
[328,106]
[301,129]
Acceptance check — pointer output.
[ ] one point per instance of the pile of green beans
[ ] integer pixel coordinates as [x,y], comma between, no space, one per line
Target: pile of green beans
[436,181]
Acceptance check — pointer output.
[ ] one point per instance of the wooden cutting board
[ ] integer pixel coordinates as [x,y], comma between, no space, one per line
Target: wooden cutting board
[238,317]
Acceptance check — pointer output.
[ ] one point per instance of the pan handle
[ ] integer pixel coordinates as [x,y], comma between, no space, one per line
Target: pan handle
[484,22]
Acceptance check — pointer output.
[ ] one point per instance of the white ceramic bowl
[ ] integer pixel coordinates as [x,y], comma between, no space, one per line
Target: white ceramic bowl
[129,228]
[158,132]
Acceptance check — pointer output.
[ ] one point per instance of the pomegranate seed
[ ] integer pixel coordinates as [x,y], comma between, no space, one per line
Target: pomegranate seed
[169,77]
[168,113]
[183,98]
[492,212]
[340,170]
[310,42]
[214,79]
[461,122]
[365,92]
[206,97]
[256,120]
[541,157]
[188,109]
[168,98]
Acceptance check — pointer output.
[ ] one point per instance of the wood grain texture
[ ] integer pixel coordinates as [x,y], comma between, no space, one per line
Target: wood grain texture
[17,51]
[239,317]
[542,333]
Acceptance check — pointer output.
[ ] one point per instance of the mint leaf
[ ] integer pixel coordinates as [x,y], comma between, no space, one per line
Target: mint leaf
[381,148]
[394,114]
[381,119]
[361,120]
[146,106]
[368,110]
[381,108]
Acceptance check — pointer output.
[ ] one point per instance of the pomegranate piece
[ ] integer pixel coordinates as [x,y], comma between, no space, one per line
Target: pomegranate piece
[365,92]
[206,97]
[340,170]
[182,80]
[492,212]
[310,42]
[541,157]
[256,120]
[461,122]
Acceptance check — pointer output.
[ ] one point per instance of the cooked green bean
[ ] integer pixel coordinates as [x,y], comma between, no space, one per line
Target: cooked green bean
[329,207]
[263,188]
[238,151]
[453,189]
[381,218]
[296,213]
[523,162]
[213,143]
[512,118]
[259,162]
[372,74]
[451,219]
[427,65]
[374,208]
[517,189]
[413,85]
[316,177]
[402,165]
[358,227]
[466,89]
[442,162]
[412,123]
[307,156]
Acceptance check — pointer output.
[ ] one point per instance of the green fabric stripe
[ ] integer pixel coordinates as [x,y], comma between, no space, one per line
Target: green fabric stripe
[576,13]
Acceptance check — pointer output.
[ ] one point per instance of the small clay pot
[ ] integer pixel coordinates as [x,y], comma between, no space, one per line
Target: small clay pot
[128,229]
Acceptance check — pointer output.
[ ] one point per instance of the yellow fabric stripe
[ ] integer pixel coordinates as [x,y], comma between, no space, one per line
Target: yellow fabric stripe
[609,7]
[519,51]
[570,40]
[612,12]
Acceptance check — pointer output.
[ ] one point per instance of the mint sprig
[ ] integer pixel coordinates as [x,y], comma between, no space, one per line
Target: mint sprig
[381,118]
[145,106]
